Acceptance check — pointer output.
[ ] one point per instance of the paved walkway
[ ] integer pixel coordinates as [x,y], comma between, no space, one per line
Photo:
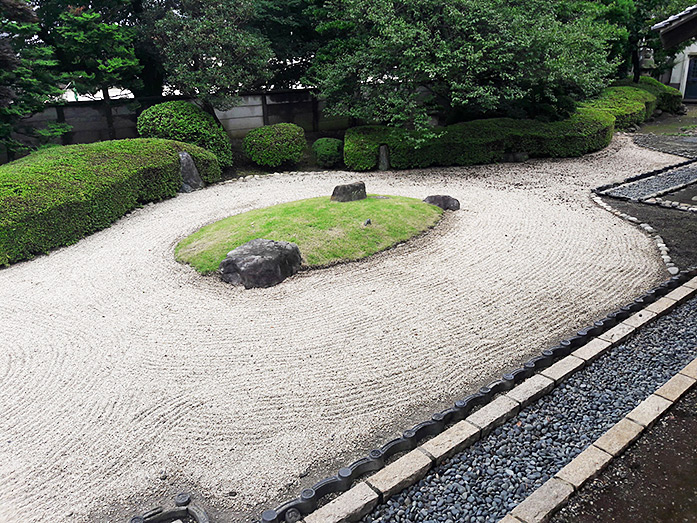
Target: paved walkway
[127,377]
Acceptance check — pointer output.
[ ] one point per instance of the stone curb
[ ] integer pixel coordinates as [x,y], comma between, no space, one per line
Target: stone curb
[545,501]
[410,468]
[660,244]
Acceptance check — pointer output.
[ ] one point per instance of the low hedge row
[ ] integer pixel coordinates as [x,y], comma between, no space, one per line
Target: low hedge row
[56,196]
[479,141]
[274,145]
[668,98]
[629,105]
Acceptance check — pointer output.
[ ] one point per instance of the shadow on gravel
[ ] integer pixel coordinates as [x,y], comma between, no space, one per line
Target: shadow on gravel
[655,481]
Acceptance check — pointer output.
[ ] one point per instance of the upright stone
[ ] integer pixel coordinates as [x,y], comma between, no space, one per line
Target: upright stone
[349,192]
[191,180]
[261,263]
[384,158]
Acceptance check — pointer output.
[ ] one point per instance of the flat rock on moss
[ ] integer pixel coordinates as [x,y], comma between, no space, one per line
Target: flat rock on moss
[349,192]
[445,202]
[261,263]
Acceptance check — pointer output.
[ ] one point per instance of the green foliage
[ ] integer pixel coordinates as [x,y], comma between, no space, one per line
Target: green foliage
[58,195]
[290,28]
[326,232]
[668,98]
[629,105]
[478,141]
[28,77]
[96,54]
[273,145]
[209,52]
[398,62]
[185,122]
[329,152]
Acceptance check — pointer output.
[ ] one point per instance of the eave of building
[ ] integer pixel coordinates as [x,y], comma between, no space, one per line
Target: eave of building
[678,28]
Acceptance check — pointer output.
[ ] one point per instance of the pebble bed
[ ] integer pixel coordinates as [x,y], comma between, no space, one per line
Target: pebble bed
[488,479]
[678,145]
[648,187]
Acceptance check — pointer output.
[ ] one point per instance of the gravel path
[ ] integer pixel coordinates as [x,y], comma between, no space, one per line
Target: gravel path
[647,187]
[127,377]
[487,480]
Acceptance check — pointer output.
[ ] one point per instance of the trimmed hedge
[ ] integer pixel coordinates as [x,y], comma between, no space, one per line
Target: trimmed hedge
[629,105]
[273,145]
[669,99]
[185,122]
[479,141]
[56,196]
[329,152]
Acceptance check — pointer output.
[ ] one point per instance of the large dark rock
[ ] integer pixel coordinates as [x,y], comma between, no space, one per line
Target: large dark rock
[349,193]
[261,263]
[447,203]
[191,180]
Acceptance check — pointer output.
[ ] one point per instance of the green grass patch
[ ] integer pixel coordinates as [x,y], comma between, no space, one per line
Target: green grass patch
[326,232]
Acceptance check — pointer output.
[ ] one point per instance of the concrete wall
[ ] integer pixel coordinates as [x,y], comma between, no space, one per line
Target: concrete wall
[90,121]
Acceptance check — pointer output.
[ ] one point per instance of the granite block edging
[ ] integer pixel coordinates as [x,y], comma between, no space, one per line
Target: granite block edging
[544,503]
[460,426]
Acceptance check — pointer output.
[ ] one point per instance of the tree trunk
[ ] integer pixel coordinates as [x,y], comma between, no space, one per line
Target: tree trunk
[107,112]
[208,107]
[636,64]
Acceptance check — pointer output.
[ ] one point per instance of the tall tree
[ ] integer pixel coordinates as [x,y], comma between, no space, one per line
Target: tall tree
[209,52]
[636,17]
[97,55]
[28,79]
[401,61]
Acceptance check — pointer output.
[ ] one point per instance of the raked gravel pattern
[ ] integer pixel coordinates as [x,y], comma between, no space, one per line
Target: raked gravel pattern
[647,187]
[487,480]
[127,377]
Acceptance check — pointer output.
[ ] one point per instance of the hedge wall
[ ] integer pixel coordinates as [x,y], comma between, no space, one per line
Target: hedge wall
[479,141]
[629,105]
[668,98]
[56,196]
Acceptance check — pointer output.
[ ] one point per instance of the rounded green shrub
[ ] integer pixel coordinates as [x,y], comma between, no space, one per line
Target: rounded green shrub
[629,105]
[669,98]
[273,145]
[187,123]
[329,152]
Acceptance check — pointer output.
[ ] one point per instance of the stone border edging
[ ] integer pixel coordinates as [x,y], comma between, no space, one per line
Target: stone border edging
[550,497]
[660,244]
[537,377]
[602,188]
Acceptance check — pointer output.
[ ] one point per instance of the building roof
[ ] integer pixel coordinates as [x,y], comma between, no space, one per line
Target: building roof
[690,12]
[678,28]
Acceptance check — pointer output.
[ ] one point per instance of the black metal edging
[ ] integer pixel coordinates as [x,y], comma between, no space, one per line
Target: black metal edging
[308,501]
[601,189]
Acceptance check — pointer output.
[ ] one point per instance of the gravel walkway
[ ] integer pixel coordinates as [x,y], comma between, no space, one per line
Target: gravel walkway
[647,187]
[679,145]
[127,377]
[486,481]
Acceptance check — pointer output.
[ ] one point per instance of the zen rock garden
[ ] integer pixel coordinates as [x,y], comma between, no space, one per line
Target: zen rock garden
[265,263]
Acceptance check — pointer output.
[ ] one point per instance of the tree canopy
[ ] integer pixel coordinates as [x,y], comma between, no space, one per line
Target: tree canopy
[400,61]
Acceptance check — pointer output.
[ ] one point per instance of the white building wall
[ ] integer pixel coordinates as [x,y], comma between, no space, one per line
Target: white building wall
[678,76]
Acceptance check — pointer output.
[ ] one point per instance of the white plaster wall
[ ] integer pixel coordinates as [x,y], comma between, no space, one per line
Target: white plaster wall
[682,61]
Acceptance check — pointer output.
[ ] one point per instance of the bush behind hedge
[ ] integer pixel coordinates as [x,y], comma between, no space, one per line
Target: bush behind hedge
[56,196]
[273,145]
[629,105]
[478,141]
[328,152]
[185,122]
[668,98]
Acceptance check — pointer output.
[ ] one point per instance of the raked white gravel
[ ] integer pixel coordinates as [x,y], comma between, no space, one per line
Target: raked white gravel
[126,377]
